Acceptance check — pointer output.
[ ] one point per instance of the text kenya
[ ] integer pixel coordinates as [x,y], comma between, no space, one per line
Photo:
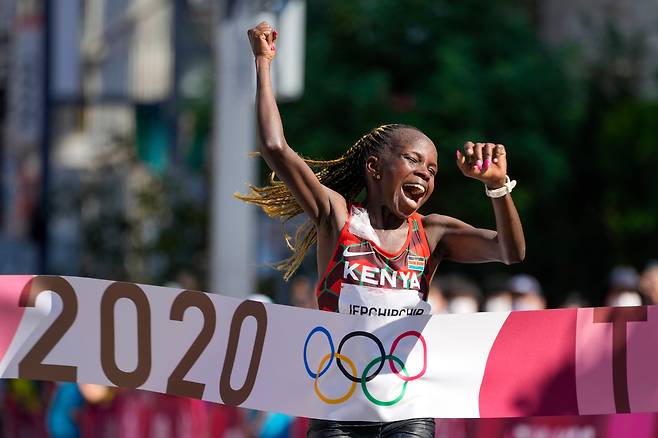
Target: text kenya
[379,277]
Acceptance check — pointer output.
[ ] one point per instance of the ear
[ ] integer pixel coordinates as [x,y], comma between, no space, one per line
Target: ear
[373,169]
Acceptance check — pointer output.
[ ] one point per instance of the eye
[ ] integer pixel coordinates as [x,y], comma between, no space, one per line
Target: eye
[411,159]
[432,171]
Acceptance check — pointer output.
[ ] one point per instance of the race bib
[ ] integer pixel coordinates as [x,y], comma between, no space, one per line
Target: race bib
[376,301]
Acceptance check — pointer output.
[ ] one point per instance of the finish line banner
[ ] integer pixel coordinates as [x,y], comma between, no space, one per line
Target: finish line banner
[317,364]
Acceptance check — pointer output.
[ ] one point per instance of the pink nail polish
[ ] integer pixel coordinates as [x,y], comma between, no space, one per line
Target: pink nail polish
[459,154]
[487,163]
[478,164]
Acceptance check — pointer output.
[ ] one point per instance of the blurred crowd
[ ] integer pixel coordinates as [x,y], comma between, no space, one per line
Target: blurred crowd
[59,410]
[455,293]
[42,409]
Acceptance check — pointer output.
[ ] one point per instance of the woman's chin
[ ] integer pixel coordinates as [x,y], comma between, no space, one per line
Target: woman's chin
[406,207]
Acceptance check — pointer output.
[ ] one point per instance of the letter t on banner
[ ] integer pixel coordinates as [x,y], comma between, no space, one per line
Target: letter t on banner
[619,316]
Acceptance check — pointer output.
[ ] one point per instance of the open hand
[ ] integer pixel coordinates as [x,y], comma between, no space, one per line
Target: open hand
[262,39]
[486,162]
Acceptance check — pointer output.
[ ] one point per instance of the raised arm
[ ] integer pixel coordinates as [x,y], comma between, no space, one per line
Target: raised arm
[460,242]
[315,199]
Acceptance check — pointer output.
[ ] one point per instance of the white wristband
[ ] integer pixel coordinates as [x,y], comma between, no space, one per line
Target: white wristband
[501,191]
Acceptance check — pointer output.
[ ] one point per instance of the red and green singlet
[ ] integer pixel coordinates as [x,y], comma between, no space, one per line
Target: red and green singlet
[363,279]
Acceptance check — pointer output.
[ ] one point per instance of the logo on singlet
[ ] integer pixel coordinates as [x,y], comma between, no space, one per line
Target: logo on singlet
[347,253]
[416,263]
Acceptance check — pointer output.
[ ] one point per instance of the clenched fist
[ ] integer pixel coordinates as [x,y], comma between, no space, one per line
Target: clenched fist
[486,162]
[262,39]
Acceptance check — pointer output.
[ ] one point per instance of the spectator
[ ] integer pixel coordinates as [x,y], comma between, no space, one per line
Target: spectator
[24,403]
[623,287]
[574,299]
[63,412]
[301,293]
[261,298]
[188,280]
[185,279]
[499,296]
[648,284]
[436,298]
[462,294]
[528,293]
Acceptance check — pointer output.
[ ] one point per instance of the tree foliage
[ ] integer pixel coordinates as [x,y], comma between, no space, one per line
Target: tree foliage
[473,70]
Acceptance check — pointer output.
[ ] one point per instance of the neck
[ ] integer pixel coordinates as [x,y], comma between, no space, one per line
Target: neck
[381,217]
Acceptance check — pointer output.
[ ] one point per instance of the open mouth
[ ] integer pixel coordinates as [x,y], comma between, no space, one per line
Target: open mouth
[414,191]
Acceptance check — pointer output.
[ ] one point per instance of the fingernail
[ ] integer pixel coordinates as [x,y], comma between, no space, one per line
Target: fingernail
[275,33]
[459,155]
[273,47]
[487,163]
[478,164]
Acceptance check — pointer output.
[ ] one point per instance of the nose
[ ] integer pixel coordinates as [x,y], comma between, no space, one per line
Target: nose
[423,172]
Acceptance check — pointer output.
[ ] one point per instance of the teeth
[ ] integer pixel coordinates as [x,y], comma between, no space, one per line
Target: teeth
[415,188]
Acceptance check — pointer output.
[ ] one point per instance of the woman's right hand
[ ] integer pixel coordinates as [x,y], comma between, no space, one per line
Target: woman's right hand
[262,39]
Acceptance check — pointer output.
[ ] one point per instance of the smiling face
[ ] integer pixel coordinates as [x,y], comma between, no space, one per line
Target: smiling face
[406,169]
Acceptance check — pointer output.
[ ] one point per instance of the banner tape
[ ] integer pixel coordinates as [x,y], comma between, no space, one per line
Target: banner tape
[326,365]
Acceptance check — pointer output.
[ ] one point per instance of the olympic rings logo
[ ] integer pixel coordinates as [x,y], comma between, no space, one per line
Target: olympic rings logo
[366,375]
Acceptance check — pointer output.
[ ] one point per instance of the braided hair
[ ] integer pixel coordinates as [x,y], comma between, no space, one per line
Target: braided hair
[344,175]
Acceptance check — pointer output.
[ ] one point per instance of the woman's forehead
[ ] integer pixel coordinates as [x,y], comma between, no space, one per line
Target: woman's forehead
[409,140]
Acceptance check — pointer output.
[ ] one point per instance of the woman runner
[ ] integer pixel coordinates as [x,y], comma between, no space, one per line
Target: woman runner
[382,244]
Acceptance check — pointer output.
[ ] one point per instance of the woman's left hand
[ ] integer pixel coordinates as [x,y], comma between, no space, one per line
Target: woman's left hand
[486,162]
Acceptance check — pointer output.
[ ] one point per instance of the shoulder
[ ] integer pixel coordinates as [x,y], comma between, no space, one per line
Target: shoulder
[441,222]
[337,214]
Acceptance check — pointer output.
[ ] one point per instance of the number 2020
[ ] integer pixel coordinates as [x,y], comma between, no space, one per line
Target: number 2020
[32,366]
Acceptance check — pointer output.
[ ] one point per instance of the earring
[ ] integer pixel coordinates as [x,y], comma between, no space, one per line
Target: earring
[378,177]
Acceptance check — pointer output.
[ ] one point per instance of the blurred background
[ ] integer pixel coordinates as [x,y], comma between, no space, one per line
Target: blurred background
[126,127]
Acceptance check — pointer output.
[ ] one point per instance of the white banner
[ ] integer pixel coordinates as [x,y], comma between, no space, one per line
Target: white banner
[326,365]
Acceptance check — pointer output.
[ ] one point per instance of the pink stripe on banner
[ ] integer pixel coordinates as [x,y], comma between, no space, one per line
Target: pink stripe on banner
[594,365]
[643,363]
[10,313]
[617,372]
[531,366]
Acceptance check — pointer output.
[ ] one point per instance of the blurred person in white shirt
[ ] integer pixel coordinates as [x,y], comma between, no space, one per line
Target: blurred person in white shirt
[463,295]
[528,293]
[499,297]
[437,299]
[623,287]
